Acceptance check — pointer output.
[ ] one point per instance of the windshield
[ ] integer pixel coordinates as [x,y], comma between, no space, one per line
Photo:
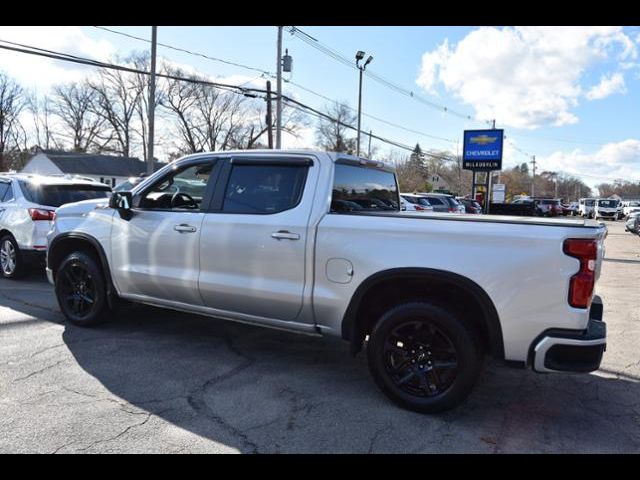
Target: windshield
[589,203]
[608,203]
[58,195]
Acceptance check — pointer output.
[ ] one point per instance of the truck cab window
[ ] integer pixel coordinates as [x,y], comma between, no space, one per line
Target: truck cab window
[180,190]
[264,189]
[363,189]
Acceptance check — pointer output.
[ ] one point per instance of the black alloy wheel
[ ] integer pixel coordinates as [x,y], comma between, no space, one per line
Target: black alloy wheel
[80,289]
[425,357]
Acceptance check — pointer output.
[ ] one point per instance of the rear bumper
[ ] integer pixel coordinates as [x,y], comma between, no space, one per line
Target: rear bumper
[558,350]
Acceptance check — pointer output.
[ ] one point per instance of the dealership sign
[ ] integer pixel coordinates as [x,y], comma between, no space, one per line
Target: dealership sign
[482,150]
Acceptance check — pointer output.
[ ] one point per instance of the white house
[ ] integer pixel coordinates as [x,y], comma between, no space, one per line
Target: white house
[109,169]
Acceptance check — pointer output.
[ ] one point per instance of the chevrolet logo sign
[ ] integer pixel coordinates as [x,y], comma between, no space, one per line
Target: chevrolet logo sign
[483,139]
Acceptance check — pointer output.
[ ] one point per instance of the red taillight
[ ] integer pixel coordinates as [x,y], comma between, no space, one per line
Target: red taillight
[42,214]
[418,207]
[452,210]
[582,283]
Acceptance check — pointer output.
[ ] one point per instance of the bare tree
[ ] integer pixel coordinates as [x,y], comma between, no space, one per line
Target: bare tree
[12,134]
[205,118]
[41,110]
[178,99]
[334,135]
[117,95]
[72,104]
[253,133]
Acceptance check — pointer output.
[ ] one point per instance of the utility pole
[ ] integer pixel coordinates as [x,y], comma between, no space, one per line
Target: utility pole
[269,117]
[555,177]
[279,92]
[359,56]
[152,99]
[369,154]
[533,180]
[359,114]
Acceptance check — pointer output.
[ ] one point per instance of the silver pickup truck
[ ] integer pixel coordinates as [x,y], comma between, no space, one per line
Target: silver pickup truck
[315,242]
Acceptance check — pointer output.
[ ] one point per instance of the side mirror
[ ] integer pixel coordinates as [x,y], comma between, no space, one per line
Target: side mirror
[121,201]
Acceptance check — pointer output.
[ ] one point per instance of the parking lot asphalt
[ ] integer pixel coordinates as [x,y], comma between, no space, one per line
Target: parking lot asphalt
[160,381]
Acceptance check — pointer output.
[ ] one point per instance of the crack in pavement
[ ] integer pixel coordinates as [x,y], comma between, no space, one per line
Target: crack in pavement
[48,367]
[124,432]
[376,435]
[197,402]
[63,446]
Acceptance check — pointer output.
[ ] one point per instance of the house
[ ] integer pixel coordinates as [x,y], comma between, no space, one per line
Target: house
[109,169]
[438,183]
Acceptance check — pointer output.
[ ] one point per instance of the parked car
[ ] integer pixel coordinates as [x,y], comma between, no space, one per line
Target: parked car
[470,205]
[259,243]
[586,206]
[416,203]
[442,202]
[569,208]
[606,208]
[543,207]
[548,207]
[27,206]
[630,207]
[631,224]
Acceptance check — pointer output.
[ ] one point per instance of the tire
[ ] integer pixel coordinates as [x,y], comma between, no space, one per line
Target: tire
[81,290]
[407,373]
[12,262]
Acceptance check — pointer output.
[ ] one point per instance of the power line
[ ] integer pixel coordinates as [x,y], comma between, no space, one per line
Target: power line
[27,49]
[309,40]
[417,132]
[310,110]
[184,50]
[271,75]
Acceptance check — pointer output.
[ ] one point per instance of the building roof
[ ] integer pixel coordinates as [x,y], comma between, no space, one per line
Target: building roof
[97,164]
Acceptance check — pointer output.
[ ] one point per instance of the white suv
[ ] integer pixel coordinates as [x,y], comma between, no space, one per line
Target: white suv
[27,207]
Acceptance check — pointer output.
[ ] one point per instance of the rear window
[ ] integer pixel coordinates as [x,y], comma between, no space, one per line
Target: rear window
[58,195]
[371,189]
[435,201]
[550,202]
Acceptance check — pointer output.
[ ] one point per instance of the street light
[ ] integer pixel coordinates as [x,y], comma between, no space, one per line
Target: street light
[359,56]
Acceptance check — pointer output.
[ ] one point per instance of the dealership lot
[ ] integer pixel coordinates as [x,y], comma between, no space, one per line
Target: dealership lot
[161,381]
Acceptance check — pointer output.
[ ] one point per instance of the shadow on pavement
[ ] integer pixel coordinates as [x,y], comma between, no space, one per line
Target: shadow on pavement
[260,390]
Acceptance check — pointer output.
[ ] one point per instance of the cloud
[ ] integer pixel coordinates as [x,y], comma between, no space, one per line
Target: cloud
[41,72]
[608,86]
[525,77]
[613,160]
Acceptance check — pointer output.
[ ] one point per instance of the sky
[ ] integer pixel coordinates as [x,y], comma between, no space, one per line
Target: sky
[568,95]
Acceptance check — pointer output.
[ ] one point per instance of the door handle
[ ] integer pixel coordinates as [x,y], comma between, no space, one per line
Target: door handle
[285,235]
[184,228]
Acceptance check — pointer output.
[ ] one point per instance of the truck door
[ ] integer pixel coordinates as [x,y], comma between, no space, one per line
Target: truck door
[254,237]
[156,252]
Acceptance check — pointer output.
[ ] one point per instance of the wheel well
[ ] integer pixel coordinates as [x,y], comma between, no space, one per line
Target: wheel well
[454,292]
[66,246]
[3,232]
[79,242]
